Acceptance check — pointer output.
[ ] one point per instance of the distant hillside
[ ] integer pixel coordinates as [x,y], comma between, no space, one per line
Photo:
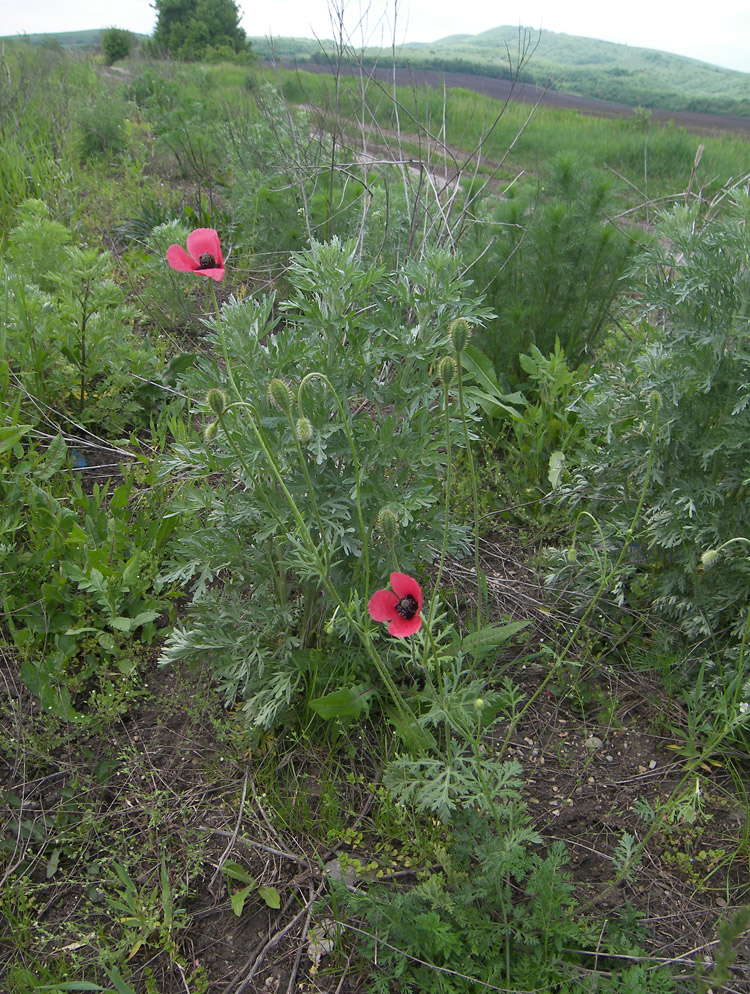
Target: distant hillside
[80,40]
[590,68]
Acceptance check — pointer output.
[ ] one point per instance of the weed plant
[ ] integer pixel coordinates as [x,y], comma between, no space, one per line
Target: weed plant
[669,404]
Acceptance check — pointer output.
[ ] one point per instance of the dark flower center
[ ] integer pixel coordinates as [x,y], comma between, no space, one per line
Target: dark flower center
[207,261]
[407,607]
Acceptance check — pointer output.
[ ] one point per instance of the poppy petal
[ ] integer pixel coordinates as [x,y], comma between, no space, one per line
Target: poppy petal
[179,259]
[401,627]
[382,606]
[205,241]
[215,274]
[406,586]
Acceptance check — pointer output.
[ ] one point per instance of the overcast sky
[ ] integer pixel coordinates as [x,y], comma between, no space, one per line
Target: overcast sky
[718,32]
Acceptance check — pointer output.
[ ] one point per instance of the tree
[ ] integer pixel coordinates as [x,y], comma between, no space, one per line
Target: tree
[116,44]
[191,29]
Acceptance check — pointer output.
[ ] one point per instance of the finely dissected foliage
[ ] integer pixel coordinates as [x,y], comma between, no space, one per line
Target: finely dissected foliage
[259,604]
[68,331]
[671,407]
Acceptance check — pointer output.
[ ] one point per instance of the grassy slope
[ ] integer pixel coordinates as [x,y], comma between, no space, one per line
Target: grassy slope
[586,66]
[69,39]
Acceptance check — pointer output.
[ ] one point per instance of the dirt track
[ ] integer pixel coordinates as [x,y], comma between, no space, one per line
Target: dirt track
[501,89]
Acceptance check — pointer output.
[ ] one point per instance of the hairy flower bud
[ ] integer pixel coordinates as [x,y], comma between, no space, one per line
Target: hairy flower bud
[280,394]
[210,431]
[479,704]
[446,369]
[460,332]
[654,401]
[217,401]
[304,430]
[710,558]
[387,524]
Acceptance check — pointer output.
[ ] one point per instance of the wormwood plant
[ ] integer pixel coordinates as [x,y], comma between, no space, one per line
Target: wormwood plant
[686,373]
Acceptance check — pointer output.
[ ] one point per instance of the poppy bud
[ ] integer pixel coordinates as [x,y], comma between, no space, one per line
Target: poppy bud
[655,401]
[304,429]
[446,370]
[460,332]
[387,524]
[280,395]
[217,401]
[710,558]
[210,431]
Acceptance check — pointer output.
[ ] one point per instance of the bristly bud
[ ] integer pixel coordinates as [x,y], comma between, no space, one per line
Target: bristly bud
[571,555]
[217,401]
[654,401]
[446,370]
[460,332]
[210,431]
[387,524]
[479,704]
[710,558]
[280,394]
[304,430]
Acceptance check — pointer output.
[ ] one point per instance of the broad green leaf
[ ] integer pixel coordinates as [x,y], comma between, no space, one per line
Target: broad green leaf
[123,624]
[556,466]
[54,458]
[349,702]
[236,872]
[271,896]
[239,898]
[10,434]
[119,498]
[54,862]
[491,637]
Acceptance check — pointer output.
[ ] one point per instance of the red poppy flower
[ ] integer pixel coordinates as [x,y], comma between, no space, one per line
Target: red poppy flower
[400,606]
[203,254]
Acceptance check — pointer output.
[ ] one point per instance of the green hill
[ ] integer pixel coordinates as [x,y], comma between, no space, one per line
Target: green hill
[80,40]
[585,66]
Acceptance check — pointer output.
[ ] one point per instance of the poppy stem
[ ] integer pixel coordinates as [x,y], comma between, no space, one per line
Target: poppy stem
[222,341]
[475,495]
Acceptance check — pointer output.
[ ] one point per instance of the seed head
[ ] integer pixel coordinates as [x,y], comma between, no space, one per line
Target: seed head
[447,369]
[460,332]
[217,401]
[387,524]
[280,394]
[304,430]
[710,558]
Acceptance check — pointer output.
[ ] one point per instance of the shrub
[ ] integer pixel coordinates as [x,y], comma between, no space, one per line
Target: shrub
[116,44]
[555,267]
[101,129]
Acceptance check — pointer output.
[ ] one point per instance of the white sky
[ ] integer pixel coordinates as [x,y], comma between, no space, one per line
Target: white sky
[718,32]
